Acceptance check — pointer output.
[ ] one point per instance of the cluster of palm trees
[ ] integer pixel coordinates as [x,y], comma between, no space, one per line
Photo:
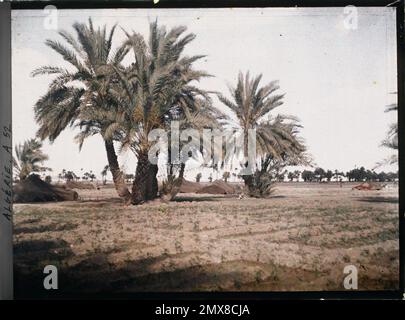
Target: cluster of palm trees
[29,158]
[123,102]
[69,175]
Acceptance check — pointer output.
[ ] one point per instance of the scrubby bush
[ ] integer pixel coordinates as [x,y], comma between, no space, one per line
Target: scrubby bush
[260,184]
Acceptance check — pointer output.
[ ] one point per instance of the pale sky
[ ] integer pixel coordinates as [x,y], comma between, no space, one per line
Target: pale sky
[337,81]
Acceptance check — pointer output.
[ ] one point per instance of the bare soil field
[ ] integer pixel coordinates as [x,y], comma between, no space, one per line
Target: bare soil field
[300,239]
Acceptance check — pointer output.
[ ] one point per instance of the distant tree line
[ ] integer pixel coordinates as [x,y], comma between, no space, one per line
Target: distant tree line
[321,175]
[69,175]
[355,175]
[369,175]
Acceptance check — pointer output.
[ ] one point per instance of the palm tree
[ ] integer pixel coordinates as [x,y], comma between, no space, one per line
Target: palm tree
[68,104]
[297,174]
[277,144]
[328,175]
[70,176]
[226,176]
[391,141]
[92,176]
[104,173]
[156,89]
[206,117]
[29,158]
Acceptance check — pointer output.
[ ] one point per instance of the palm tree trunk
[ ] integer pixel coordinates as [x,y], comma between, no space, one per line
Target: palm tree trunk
[145,186]
[152,186]
[248,179]
[179,181]
[118,176]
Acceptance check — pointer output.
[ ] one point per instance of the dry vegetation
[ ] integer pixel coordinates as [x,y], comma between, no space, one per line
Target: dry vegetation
[300,239]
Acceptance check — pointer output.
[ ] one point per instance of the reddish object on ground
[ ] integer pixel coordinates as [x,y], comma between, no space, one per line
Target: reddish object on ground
[367,186]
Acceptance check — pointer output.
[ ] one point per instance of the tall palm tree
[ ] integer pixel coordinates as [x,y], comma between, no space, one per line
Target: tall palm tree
[82,89]
[156,89]
[29,158]
[277,138]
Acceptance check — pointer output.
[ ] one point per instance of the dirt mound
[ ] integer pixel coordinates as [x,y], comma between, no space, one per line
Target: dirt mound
[367,186]
[33,189]
[218,187]
[79,185]
[189,186]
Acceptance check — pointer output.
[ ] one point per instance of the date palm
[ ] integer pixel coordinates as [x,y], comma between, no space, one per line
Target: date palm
[29,158]
[81,89]
[392,137]
[391,141]
[157,88]
[205,118]
[276,138]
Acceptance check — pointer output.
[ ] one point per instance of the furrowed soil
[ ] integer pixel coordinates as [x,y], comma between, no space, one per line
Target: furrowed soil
[300,239]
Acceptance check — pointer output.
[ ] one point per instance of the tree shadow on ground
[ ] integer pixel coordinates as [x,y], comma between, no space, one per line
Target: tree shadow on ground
[277,197]
[30,259]
[45,228]
[98,201]
[95,276]
[198,199]
[379,199]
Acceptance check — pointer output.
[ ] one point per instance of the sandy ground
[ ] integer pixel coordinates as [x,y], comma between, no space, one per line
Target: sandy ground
[300,239]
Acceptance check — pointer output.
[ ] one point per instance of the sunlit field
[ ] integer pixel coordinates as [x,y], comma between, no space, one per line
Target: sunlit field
[299,239]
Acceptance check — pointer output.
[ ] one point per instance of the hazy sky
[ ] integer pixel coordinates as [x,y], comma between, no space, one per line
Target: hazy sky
[337,81]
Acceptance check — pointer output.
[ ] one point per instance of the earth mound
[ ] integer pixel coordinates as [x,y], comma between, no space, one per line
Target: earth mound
[33,189]
[218,187]
[189,186]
